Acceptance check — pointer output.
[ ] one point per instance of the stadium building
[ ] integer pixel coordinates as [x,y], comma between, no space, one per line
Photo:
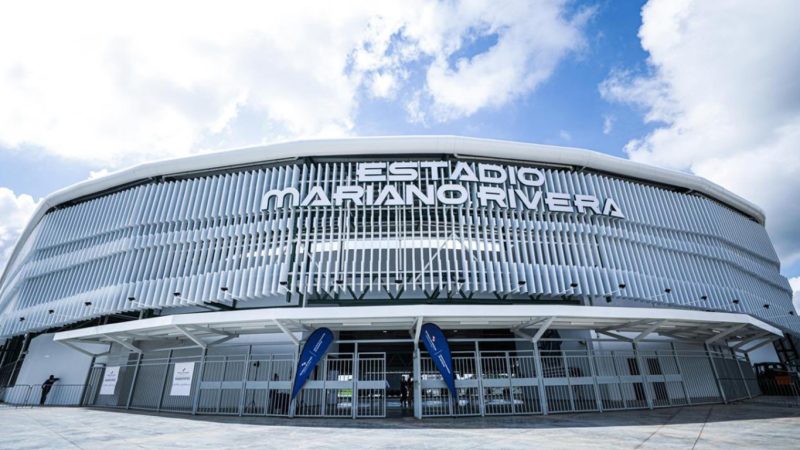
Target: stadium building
[563,279]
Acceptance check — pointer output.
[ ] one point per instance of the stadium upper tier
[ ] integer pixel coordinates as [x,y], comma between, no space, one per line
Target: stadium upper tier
[390,219]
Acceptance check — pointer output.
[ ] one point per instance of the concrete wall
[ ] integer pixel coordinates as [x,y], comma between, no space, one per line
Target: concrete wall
[46,357]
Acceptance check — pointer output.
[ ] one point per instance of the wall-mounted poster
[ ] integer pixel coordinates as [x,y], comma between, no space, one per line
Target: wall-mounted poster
[182,379]
[110,378]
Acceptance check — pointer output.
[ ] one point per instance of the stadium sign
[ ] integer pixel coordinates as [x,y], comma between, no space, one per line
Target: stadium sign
[397,184]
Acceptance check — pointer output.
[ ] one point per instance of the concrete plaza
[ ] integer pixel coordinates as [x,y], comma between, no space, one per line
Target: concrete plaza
[753,424]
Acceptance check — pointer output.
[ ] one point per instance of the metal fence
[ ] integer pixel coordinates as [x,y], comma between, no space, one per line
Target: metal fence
[35,395]
[509,382]
[245,384]
[250,382]
[784,391]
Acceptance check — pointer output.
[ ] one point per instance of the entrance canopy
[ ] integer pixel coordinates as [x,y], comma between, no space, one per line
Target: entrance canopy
[526,321]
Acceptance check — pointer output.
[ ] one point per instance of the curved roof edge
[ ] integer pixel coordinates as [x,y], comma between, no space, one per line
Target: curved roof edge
[393,145]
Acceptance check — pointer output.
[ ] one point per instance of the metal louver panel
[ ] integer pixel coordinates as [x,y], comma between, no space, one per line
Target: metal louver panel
[196,235]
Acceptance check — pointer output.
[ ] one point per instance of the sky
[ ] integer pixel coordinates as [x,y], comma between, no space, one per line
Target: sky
[710,88]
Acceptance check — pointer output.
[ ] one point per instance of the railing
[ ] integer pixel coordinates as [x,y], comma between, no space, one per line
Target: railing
[560,381]
[782,390]
[33,395]
[246,384]
[353,385]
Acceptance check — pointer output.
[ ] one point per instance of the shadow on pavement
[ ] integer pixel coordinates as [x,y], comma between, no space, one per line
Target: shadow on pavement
[756,409]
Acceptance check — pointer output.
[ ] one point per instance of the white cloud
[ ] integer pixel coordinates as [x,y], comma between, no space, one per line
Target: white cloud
[414,109]
[118,83]
[102,82]
[564,135]
[795,284]
[531,39]
[608,124]
[93,174]
[383,85]
[14,214]
[722,90]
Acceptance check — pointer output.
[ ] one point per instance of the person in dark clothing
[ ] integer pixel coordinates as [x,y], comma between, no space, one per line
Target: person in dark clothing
[46,386]
[403,393]
[278,401]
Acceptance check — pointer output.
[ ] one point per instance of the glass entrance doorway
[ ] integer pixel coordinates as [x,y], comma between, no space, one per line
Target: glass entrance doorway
[400,381]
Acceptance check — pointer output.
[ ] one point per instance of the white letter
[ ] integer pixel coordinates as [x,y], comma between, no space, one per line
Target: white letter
[530,176]
[612,209]
[469,174]
[587,201]
[491,173]
[532,203]
[371,171]
[402,171]
[316,197]
[434,167]
[512,174]
[383,197]
[459,199]
[353,193]
[558,202]
[491,193]
[512,199]
[280,195]
[426,198]
[370,194]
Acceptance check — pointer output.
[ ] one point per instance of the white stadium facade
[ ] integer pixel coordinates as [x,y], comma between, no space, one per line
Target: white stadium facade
[563,279]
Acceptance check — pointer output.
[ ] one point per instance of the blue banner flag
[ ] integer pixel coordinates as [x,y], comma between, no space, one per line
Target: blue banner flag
[314,349]
[436,343]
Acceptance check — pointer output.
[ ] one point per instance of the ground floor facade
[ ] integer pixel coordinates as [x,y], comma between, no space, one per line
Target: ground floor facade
[250,380]
[506,360]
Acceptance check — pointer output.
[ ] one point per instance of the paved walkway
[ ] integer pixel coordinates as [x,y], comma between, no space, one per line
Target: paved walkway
[744,425]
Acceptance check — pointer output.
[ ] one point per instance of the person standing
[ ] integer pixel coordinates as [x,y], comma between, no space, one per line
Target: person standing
[278,401]
[46,386]
[403,392]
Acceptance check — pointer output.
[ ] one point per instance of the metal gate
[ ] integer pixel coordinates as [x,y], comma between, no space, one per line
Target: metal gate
[249,384]
[436,400]
[345,385]
[510,383]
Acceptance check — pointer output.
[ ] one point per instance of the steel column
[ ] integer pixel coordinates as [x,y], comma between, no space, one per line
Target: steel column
[86,383]
[643,374]
[741,373]
[201,373]
[593,369]
[540,377]
[680,372]
[479,372]
[133,380]
[293,403]
[354,395]
[716,374]
[164,384]
[245,373]
[417,384]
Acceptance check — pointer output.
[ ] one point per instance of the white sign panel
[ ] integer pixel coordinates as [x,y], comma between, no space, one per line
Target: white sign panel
[182,379]
[110,378]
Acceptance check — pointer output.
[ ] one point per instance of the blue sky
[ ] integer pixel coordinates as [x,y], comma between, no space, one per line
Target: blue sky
[566,110]
[703,87]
